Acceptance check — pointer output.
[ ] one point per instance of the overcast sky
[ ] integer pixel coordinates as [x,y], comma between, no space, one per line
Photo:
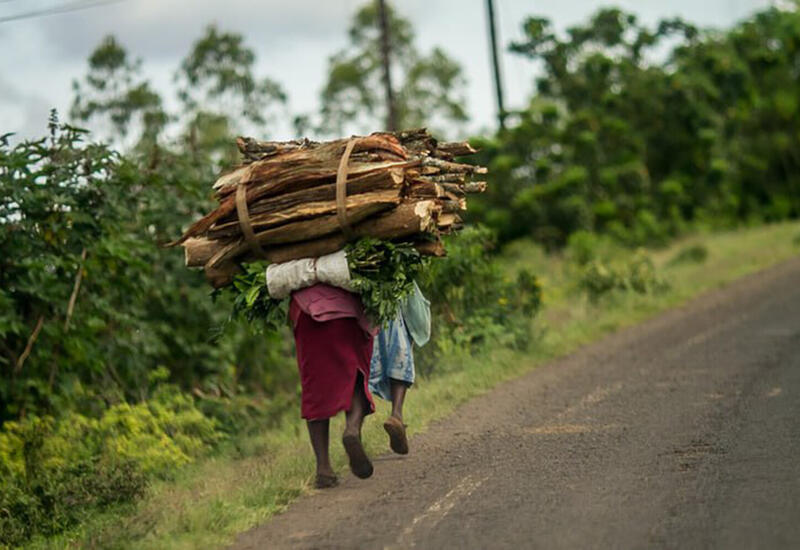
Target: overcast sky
[292,38]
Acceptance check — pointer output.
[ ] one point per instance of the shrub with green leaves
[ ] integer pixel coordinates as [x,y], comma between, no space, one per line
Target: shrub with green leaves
[694,254]
[85,287]
[473,303]
[54,472]
[582,247]
[56,500]
[638,274]
[585,246]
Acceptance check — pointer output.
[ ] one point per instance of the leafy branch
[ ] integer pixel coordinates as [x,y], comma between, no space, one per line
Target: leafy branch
[381,272]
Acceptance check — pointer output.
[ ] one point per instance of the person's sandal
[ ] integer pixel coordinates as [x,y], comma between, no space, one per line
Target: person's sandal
[397,435]
[325,481]
[360,464]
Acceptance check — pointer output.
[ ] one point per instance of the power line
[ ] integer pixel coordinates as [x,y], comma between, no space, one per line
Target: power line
[73,6]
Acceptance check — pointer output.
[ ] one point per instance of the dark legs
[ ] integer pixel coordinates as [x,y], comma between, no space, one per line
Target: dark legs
[319,431]
[359,406]
[394,424]
[398,390]
[360,464]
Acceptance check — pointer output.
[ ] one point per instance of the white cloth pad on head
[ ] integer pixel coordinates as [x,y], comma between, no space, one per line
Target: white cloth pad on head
[286,277]
[332,269]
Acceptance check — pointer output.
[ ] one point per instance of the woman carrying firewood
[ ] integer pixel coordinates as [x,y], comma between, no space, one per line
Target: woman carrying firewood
[373,216]
[334,347]
[334,338]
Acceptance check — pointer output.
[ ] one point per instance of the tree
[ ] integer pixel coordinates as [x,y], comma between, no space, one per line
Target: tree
[625,139]
[748,76]
[583,156]
[428,92]
[92,308]
[114,90]
[220,93]
[145,312]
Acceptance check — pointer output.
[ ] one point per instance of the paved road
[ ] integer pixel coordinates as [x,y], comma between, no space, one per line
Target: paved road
[683,432]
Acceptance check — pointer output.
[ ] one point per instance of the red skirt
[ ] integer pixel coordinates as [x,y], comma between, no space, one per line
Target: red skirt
[330,355]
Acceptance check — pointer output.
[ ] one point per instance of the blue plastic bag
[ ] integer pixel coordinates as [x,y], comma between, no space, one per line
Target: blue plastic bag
[416,312]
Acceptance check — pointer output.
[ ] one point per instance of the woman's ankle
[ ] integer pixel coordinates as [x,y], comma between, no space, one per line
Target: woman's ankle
[352,429]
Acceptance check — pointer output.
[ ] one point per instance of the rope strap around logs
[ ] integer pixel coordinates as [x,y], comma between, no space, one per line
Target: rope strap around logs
[341,189]
[341,204]
[244,221]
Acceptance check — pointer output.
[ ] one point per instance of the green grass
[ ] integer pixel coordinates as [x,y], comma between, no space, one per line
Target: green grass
[245,484]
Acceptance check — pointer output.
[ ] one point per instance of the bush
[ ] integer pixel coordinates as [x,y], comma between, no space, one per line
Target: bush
[585,246]
[598,280]
[638,274]
[53,472]
[641,275]
[694,254]
[582,247]
[70,207]
[57,500]
[472,302]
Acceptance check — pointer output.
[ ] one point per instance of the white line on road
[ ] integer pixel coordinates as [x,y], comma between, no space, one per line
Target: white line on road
[438,510]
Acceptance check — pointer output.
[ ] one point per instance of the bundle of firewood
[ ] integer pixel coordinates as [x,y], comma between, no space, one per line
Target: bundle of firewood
[299,199]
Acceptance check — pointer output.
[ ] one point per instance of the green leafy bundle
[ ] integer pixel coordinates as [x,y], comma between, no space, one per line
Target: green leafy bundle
[381,272]
[252,301]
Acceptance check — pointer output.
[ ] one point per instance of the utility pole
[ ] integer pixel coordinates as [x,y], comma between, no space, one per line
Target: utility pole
[391,107]
[498,82]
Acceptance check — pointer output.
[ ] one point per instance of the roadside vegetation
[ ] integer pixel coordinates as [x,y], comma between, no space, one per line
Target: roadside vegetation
[255,475]
[631,183]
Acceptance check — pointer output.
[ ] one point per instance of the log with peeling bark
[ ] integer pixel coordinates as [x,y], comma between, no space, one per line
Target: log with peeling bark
[408,219]
[399,186]
[372,202]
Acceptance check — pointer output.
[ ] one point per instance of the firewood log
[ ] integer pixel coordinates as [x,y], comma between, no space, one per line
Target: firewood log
[475,187]
[304,211]
[302,230]
[401,185]
[407,220]
[431,248]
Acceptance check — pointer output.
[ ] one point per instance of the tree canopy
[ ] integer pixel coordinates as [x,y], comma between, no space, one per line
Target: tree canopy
[626,139]
[429,89]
